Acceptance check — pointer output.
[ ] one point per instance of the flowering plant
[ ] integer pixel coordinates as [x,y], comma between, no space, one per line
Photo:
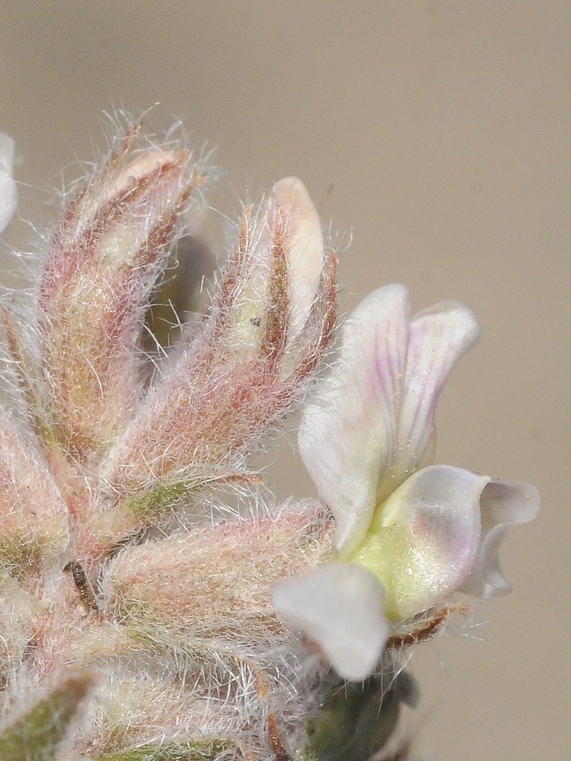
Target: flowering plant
[139,619]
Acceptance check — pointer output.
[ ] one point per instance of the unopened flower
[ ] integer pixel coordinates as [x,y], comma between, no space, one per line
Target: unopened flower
[102,465]
[8,192]
[422,531]
[103,261]
[243,367]
[287,252]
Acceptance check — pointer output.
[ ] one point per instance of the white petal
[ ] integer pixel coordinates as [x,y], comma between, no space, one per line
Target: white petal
[347,435]
[424,539]
[8,191]
[438,338]
[305,247]
[503,505]
[289,216]
[7,147]
[338,605]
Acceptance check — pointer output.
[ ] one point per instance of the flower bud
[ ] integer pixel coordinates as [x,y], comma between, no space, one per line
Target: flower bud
[227,595]
[102,263]
[269,326]
[286,259]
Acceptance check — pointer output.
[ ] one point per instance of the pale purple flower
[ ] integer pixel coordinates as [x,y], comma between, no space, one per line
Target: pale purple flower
[422,531]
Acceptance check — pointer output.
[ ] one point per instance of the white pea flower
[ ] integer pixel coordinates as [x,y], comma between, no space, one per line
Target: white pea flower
[8,192]
[422,531]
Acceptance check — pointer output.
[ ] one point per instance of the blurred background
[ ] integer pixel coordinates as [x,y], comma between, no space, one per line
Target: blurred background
[435,137]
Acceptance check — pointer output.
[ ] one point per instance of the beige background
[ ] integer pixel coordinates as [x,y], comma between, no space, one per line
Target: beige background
[444,129]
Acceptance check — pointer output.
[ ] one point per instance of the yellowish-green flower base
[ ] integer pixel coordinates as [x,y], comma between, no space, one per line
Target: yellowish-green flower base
[407,569]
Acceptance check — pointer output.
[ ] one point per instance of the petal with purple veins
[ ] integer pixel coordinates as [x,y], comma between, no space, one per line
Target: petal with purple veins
[438,337]
[348,433]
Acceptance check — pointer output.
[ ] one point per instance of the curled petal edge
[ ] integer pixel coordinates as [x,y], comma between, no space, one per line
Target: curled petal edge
[423,541]
[339,607]
[503,505]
